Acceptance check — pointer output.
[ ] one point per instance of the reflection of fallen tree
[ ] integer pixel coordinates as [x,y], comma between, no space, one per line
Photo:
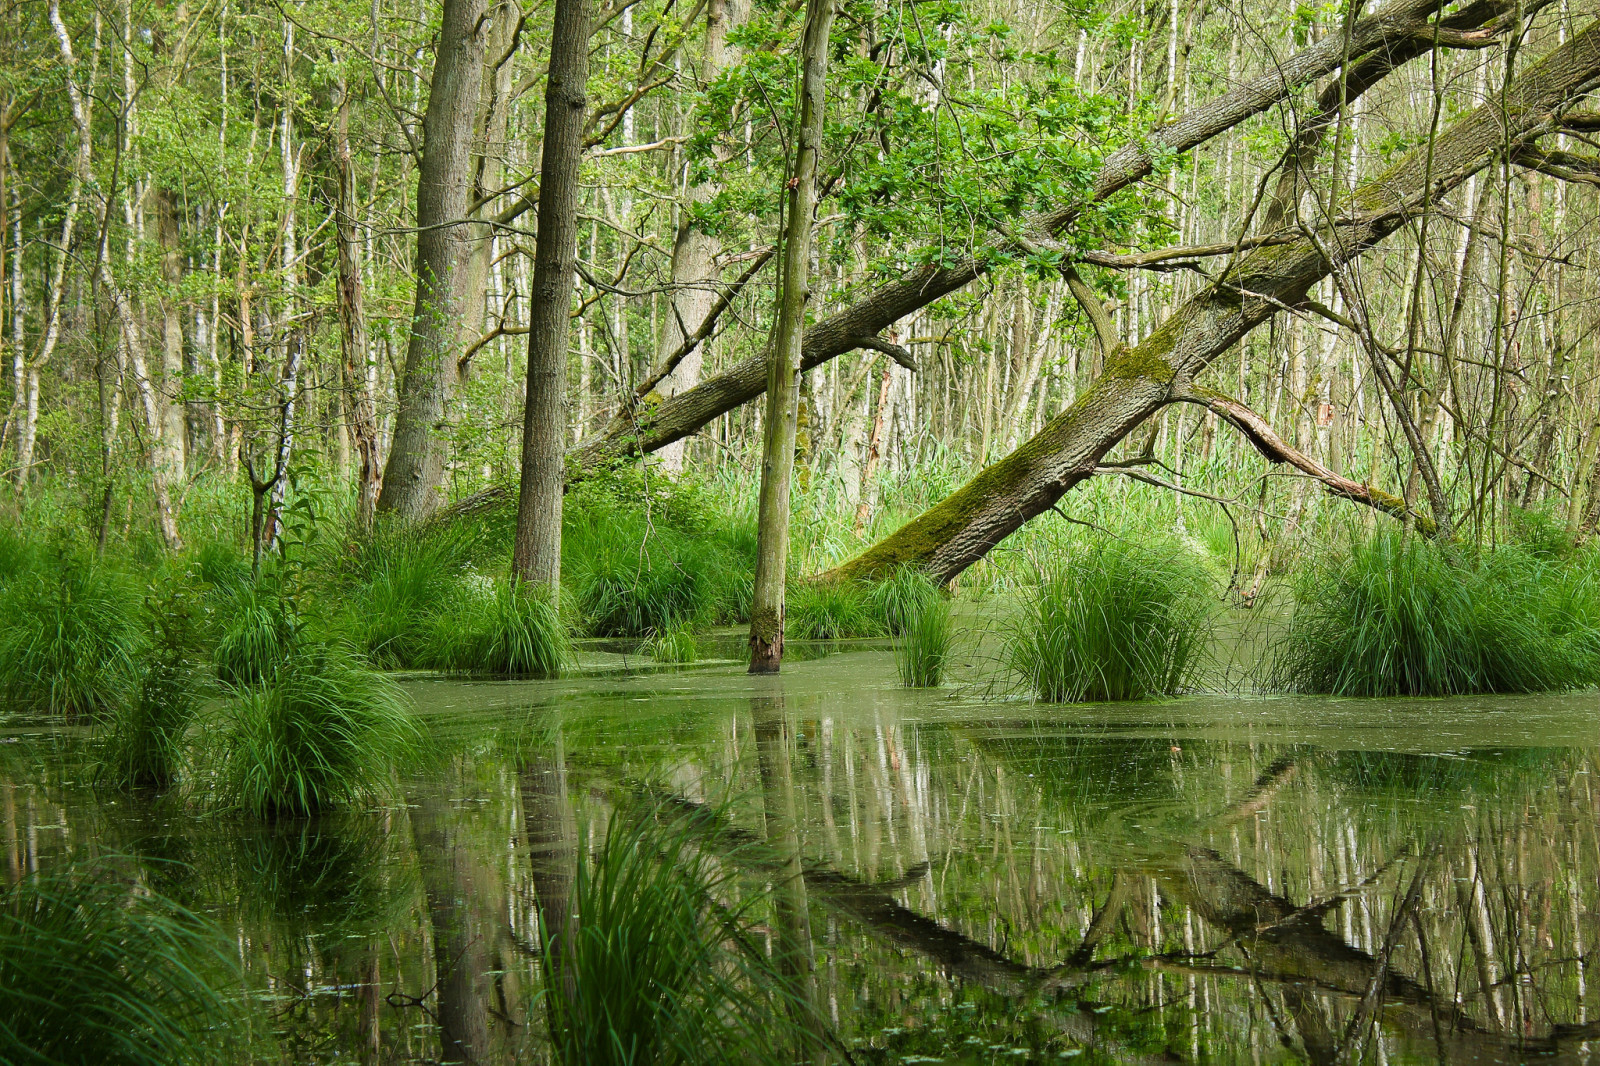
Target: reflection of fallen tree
[871,906]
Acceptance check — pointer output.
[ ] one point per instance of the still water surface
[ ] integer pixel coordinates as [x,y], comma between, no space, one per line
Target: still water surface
[987,881]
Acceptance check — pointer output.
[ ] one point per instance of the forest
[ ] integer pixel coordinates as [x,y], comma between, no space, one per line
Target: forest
[778,531]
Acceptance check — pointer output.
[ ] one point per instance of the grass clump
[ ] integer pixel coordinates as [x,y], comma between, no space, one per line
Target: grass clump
[1393,615]
[921,617]
[830,610]
[70,639]
[260,629]
[1113,621]
[654,967]
[322,732]
[403,579]
[675,645]
[94,972]
[513,631]
[144,749]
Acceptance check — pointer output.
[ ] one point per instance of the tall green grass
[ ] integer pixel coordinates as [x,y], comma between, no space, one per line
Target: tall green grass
[324,731]
[656,967]
[510,631]
[831,610]
[260,628]
[919,613]
[1391,615]
[70,638]
[94,971]
[397,583]
[1113,621]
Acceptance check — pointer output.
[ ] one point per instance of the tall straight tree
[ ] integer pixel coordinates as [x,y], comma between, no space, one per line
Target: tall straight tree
[537,555]
[444,187]
[783,368]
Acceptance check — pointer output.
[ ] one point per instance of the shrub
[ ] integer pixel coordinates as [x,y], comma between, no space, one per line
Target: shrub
[321,732]
[69,639]
[925,632]
[514,632]
[655,968]
[830,610]
[93,972]
[1113,621]
[1393,615]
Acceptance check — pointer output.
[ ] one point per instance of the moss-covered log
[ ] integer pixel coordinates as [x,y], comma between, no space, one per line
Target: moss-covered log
[960,530]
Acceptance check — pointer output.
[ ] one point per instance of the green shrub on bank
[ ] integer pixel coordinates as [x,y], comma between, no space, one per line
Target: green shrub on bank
[70,639]
[920,614]
[509,631]
[1113,621]
[323,731]
[1394,615]
[92,971]
[655,967]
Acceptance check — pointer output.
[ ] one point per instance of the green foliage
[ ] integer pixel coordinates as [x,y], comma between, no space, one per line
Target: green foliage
[925,629]
[404,578]
[512,631]
[830,610]
[1393,615]
[655,968]
[900,599]
[69,639]
[1113,621]
[321,732]
[97,973]
[144,749]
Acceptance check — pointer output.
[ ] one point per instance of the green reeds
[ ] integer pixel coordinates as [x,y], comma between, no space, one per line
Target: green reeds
[259,632]
[322,732]
[404,580]
[675,645]
[830,610]
[921,616]
[144,747]
[1113,621]
[1395,615]
[69,639]
[654,967]
[93,970]
[513,631]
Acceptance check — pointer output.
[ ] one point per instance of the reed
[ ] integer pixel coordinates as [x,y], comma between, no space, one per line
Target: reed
[654,967]
[830,610]
[70,639]
[675,645]
[401,581]
[925,630]
[322,732]
[1395,615]
[1113,621]
[94,971]
[260,629]
[511,631]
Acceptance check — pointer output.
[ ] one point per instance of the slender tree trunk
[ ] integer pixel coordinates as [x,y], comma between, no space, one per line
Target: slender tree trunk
[174,426]
[783,372]
[359,404]
[536,556]
[417,453]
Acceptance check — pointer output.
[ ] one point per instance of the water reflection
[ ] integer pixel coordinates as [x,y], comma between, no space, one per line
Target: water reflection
[1229,881]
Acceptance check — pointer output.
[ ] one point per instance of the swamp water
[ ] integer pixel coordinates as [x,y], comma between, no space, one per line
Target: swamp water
[1204,879]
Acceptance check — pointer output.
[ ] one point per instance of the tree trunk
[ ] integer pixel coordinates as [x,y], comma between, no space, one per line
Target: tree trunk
[169,397]
[359,404]
[783,373]
[960,530]
[537,553]
[417,453]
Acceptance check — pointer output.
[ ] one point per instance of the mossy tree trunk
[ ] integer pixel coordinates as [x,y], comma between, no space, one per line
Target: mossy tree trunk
[537,554]
[444,183]
[783,371]
[1138,382]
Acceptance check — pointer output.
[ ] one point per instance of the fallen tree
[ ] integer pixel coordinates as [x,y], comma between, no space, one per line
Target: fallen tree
[1161,370]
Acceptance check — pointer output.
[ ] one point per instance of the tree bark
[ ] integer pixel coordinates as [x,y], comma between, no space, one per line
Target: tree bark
[169,397]
[536,555]
[356,368]
[783,372]
[417,453]
[957,532]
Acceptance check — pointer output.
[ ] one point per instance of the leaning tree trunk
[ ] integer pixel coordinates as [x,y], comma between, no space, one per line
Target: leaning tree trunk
[783,371]
[536,555]
[960,530]
[444,182]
